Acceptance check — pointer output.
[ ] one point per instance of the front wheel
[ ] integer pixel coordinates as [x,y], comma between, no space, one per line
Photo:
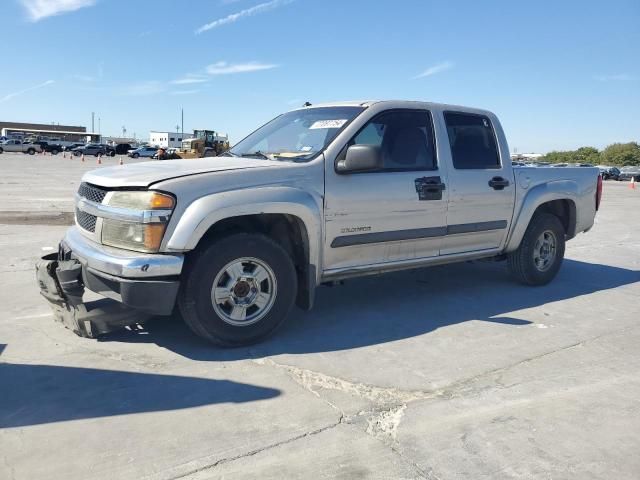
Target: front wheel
[1,150]
[31,151]
[539,256]
[238,290]
[135,155]
[54,151]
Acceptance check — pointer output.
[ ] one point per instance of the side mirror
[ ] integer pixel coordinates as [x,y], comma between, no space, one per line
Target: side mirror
[360,158]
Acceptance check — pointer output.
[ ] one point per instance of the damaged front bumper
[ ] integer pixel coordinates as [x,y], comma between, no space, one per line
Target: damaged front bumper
[136,285]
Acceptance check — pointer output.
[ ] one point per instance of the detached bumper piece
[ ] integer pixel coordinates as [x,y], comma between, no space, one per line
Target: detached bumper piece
[62,285]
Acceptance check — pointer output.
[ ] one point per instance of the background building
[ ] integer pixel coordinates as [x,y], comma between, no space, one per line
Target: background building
[47,132]
[167,139]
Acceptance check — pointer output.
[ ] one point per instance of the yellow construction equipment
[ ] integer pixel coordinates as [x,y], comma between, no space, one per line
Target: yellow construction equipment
[205,143]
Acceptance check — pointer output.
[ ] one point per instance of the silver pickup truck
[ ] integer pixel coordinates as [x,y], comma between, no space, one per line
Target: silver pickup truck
[319,194]
[18,146]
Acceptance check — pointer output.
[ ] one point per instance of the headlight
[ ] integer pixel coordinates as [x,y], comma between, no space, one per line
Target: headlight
[150,212]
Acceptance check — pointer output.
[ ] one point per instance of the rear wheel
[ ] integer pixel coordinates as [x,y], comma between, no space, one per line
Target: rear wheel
[135,155]
[238,290]
[1,150]
[31,151]
[54,151]
[539,256]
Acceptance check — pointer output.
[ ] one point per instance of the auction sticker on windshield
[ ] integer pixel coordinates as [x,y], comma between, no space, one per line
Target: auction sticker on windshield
[327,124]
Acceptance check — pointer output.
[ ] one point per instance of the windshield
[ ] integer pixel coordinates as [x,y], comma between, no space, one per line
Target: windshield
[296,135]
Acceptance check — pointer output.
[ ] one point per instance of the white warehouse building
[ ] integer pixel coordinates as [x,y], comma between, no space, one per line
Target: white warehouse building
[167,139]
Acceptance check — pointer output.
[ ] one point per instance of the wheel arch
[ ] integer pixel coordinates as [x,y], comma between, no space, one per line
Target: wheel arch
[557,198]
[290,216]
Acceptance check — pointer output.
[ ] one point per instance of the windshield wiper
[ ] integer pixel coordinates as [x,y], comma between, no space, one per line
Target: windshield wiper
[258,154]
[228,153]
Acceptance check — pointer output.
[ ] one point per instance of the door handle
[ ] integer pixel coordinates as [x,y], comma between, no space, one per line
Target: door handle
[498,183]
[429,188]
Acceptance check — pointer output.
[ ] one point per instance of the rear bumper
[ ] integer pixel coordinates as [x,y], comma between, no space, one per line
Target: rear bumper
[146,282]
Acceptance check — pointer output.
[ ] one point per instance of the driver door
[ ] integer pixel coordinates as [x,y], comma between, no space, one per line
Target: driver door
[379,217]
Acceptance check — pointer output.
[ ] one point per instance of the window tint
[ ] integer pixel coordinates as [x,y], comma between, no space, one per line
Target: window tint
[473,144]
[405,139]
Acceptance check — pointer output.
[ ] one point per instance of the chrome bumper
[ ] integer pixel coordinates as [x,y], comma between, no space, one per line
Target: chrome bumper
[121,263]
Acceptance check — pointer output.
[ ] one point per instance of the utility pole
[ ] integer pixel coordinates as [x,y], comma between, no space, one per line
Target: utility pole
[99,130]
[93,126]
[182,117]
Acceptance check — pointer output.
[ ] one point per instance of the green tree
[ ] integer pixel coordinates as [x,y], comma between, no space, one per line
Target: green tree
[587,155]
[621,154]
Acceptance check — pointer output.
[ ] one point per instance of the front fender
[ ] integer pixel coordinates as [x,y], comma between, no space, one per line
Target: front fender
[206,211]
[536,196]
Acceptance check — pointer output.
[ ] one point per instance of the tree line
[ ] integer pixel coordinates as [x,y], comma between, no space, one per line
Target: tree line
[618,154]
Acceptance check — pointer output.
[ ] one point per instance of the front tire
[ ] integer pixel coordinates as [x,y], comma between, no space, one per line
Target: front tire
[238,290]
[135,155]
[31,151]
[539,256]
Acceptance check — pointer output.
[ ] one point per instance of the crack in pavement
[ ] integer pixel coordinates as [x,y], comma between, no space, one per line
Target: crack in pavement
[248,454]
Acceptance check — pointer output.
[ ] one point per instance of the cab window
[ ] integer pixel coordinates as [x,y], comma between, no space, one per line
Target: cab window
[472,141]
[405,138]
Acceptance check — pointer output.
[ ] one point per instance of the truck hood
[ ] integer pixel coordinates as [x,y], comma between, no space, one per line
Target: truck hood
[145,174]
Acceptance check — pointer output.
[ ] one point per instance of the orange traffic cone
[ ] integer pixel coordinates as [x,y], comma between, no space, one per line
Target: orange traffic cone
[632,183]
[121,162]
[99,159]
[64,154]
[82,159]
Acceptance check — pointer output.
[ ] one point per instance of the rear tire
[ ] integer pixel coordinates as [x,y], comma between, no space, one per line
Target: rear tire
[31,151]
[238,290]
[54,151]
[539,256]
[1,150]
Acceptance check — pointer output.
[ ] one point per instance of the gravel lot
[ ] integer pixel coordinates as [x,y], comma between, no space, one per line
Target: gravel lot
[441,373]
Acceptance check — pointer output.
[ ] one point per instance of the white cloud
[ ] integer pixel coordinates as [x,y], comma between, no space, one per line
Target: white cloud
[144,88]
[224,68]
[189,79]
[39,9]
[620,77]
[440,67]
[247,12]
[20,92]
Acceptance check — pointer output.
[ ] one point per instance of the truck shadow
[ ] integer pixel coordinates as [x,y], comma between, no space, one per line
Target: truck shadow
[377,310]
[38,394]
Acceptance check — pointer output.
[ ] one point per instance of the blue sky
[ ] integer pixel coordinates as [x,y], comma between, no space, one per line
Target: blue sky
[560,74]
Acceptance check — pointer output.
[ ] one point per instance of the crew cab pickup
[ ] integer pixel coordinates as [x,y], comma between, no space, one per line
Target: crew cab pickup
[319,194]
[18,146]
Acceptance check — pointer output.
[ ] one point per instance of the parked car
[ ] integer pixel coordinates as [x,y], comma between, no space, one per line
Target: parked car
[18,146]
[51,148]
[609,173]
[109,150]
[123,148]
[70,147]
[346,190]
[90,149]
[142,152]
[629,172]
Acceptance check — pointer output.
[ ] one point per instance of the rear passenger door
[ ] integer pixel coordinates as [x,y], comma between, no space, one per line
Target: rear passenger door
[482,190]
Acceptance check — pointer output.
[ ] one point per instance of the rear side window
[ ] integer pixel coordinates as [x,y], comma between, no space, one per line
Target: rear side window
[405,138]
[472,141]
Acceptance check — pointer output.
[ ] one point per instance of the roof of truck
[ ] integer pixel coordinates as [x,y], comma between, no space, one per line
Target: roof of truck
[395,104]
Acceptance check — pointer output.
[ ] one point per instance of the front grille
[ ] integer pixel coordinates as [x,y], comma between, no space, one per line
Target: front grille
[86,220]
[91,192]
